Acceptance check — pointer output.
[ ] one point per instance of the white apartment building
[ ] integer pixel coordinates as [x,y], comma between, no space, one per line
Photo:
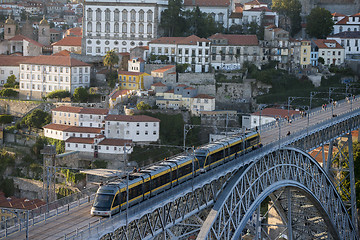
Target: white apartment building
[79,116]
[9,65]
[138,128]
[202,102]
[346,23]
[43,74]
[190,50]
[119,25]
[230,51]
[350,41]
[63,132]
[69,43]
[330,50]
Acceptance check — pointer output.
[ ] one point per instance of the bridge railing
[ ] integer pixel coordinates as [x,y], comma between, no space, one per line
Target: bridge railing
[29,218]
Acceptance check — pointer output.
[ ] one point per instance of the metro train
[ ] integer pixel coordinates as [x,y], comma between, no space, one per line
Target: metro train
[112,197]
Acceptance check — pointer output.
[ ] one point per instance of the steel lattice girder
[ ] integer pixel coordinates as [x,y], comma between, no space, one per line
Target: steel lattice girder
[287,167]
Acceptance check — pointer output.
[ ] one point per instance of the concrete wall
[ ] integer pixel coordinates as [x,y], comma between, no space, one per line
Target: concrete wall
[17,108]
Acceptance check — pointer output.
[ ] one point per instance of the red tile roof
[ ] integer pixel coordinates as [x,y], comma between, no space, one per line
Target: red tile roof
[158,84]
[170,91]
[321,44]
[236,39]
[115,142]
[335,14]
[189,88]
[131,118]
[19,203]
[130,73]
[276,112]
[181,85]
[343,21]
[56,61]
[164,69]
[21,38]
[355,15]
[57,127]
[80,140]
[62,53]
[204,96]
[207,3]
[190,40]
[69,41]
[71,109]
[6,60]
[77,31]
[84,129]
[255,2]
[259,9]
[117,93]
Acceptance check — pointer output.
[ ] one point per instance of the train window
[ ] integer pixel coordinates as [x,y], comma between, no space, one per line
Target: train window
[135,191]
[146,187]
[116,201]
[123,196]
[184,170]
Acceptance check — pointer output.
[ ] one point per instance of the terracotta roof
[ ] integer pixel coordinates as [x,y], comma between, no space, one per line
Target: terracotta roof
[275,112]
[190,40]
[189,88]
[80,140]
[206,3]
[255,2]
[181,85]
[69,41]
[6,60]
[62,53]
[71,109]
[158,84]
[355,15]
[57,127]
[321,43]
[131,118]
[21,38]
[164,69]
[96,111]
[130,73]
[19,203]
[335,14]
[259,9]
[84,129]
[204,96]
[343,21]
[56,61]
[238,7]
[117,93]
[114,142]
[236,15]
[77,31]
[236,39]
[170,91]
[347,34]
[137,59]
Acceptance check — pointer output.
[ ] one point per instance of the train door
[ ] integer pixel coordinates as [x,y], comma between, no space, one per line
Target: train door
[115,208]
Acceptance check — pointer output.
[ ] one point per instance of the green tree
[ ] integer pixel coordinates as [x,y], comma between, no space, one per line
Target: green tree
[80,95]
[11,82]
[111,59]
[111,78]
[59,94]
[5,118]
[143,106]
[8,92]
[37,119]
[319,23]
[172,20]
[321,60]
[290,10]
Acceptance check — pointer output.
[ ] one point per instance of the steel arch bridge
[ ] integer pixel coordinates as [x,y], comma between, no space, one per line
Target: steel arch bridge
[221,206]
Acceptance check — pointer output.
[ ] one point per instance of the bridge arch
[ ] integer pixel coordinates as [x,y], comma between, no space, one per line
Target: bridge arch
[288,167]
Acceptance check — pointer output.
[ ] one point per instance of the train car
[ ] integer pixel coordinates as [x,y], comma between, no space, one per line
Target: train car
[112,197]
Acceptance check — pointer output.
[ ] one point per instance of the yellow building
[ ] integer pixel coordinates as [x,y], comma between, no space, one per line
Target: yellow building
[132,80]
[305,53]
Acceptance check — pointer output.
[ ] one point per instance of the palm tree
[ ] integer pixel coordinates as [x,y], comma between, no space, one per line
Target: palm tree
[110,59]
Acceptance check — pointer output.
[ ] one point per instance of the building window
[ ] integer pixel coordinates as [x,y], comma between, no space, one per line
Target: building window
[116,27]
[137,132]
[154,132]
[149,28]
[146,133]
[107,14]
[149,16]
[124,27]
[132,15]
[138,124]
[116,15]
[98,14]
[124,15]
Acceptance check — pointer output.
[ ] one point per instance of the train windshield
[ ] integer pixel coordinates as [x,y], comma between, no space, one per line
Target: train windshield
[103,201]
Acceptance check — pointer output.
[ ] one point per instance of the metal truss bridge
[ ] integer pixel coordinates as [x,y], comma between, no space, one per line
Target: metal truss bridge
[277,192]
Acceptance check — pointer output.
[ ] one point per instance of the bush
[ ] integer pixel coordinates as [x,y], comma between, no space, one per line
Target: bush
[37,119]
[8,92]
[59,94]
[5,118]
[99,164]
[7,186]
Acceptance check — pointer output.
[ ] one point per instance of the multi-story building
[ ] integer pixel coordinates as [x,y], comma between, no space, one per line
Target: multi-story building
[119,25]
[136,65]
[350,41]
[9,65]
[63,132]
[134,80]
[79,116]
[70,43]
[21,44]
[276,46]
[330,50]
[43,74]
[202,102]
[138,128]
[190,50]
[230,51]
[305,53]
[346,23]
